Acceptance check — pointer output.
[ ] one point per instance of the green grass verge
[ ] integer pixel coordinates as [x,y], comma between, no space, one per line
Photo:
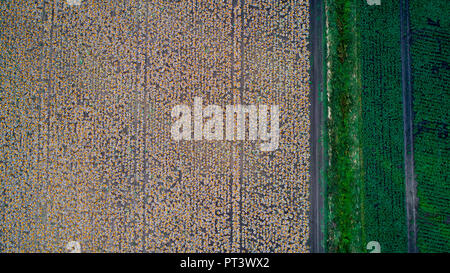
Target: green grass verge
[343,124]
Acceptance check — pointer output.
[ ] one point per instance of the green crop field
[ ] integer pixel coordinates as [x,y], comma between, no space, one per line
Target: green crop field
[430,27]
[366,190]
[383,216]
[366,172]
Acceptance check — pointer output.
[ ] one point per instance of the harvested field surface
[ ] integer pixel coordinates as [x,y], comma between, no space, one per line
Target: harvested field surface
[86,151]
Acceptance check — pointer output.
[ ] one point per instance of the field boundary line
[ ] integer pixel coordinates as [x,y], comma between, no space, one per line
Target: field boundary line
[410,182]
[316,117]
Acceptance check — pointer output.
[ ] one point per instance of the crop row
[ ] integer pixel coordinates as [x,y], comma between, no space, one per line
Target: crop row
[384,217]
[430,51]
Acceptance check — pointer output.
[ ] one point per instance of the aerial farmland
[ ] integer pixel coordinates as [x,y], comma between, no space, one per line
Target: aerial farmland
[87,152]
[224,126]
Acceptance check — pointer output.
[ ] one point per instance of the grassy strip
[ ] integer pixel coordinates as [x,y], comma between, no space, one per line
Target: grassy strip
[344,106]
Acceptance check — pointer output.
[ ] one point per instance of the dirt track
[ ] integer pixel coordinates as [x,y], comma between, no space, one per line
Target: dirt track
[317,201]
[411,192]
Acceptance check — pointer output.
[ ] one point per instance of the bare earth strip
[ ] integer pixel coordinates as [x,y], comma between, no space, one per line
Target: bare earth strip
[317,197]
[411,187]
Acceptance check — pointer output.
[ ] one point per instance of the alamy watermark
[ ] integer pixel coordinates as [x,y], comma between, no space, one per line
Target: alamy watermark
[374,2]
[235,119]
[74,2]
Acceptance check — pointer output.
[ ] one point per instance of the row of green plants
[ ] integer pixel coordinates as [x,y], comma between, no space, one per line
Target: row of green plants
[384,214]
[430,51]
[365,171]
